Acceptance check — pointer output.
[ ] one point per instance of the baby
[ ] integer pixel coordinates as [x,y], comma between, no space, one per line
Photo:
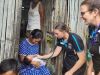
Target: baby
[39,60]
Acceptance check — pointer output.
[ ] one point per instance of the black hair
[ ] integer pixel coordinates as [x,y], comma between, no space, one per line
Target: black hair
[8,65]
[62,27]
[37,33]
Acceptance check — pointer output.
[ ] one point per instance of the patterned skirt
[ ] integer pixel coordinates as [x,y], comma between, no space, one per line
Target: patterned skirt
[34,71]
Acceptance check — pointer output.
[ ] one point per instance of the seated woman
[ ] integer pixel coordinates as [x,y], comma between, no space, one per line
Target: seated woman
[27,49]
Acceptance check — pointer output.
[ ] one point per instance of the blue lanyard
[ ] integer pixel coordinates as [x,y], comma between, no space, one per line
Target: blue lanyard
[93,35]
[64,42]
[95,32]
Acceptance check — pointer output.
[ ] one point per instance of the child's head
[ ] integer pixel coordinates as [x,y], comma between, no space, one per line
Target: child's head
[8,67]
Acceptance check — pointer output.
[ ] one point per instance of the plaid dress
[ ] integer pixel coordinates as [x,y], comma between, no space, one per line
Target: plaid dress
[25,49]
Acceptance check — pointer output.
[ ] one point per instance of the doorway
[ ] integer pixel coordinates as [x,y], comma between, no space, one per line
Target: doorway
[24,18]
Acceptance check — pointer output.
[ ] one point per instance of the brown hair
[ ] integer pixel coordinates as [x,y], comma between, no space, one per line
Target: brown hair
[62,27]
[92,4]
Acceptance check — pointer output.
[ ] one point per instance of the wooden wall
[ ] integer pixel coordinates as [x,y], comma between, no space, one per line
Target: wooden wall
[67,11]
[10,16]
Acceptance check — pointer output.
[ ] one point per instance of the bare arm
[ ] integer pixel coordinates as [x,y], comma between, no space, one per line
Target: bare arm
[21,58]
[52,54]
[42,15]
[79,63]
[90,68]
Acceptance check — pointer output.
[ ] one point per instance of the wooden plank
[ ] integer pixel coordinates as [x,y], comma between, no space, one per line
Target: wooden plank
[9,31]
[4,25]
[17,26]
[1,22]
[10,28]
[1,14]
